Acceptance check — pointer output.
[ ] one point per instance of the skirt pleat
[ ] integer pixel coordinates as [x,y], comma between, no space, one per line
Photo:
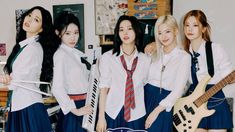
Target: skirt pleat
[119,122]
[153,96]
[70,122]
[30,119]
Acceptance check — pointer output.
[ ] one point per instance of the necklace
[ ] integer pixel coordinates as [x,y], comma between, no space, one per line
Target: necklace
[163,68]
[129,53]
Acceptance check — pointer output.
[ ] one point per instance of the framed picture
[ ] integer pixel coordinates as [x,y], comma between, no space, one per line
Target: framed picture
[106,39]
[107,13]
[78,11]
[2,49]
[148,9]
[19,13]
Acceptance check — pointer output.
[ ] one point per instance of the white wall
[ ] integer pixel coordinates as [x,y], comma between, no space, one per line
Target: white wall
[221,16]
[7,22]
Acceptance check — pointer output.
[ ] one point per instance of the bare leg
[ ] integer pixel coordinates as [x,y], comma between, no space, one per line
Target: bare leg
[211,130]
[201,130]
[217,130]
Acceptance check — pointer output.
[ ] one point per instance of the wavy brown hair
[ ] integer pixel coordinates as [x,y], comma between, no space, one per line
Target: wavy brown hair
[202,19]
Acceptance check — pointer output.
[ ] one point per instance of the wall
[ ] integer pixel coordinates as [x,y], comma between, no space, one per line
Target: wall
[221,17]
[7,23]
[219,14]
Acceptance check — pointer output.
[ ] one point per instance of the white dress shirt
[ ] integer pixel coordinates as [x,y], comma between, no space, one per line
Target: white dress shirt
[174,77]
[222,63]
[70,76]
[27,66]
[113,76]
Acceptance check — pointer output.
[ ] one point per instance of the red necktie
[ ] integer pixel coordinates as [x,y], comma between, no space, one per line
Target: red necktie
[129,91]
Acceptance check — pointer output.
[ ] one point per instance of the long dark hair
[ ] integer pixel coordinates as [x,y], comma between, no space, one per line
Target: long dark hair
[138,33]
[63,20]
[201,18]
[61,24]
[48,40]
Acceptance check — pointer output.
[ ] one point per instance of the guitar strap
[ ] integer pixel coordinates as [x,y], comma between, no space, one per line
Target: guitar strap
[209,58]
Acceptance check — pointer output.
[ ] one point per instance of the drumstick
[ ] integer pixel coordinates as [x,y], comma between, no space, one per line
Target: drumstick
[37,91]
[36,82]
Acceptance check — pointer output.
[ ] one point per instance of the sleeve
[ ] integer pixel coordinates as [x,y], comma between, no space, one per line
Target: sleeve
[147,67]
[181,78]
[105,72]
[30,59]
[58,85]
[222,60]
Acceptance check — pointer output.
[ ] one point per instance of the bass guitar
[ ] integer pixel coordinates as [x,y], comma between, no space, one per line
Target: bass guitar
[188,111]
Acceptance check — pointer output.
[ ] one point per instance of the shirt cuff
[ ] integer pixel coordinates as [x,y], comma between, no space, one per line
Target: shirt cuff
[166,105]
[68,107]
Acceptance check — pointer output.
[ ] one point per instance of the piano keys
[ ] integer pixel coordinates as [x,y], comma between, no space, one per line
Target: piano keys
[92,99]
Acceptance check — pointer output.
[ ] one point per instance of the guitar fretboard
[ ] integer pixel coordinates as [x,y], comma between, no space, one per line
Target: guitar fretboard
[212,91]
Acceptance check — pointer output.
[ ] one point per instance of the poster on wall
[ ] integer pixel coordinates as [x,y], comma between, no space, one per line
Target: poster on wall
[78,11]
[19,13]
[149,9]
[2,49]
[143,9]
[107,13]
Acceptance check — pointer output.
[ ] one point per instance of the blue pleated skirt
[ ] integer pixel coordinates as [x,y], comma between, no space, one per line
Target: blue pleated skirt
[152,96]
[121,122]
[222,118]
[70,122]
[33,118]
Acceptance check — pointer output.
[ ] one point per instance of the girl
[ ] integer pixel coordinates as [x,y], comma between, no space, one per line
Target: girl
[167,78]
[123,72]
[197,33]
[70,82]
[31,57]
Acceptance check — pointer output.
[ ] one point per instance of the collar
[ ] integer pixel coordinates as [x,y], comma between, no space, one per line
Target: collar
[72,50]
[67,48]
[174,52]
[28,41]
[201,49]
[136,53]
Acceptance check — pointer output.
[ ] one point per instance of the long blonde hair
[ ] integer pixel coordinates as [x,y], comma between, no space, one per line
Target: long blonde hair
[170,21]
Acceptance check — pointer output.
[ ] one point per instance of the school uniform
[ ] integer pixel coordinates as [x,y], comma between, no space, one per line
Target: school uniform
[222,118]
[113,76]
[165,86]
[70,85]
[27,112]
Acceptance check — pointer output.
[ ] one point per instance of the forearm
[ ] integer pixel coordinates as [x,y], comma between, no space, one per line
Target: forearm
[159,109]
[102,102]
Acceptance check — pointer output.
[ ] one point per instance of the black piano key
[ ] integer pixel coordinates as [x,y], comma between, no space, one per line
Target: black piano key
[93,95]
[95,80]
[92,103]
[90,121]
[90,117]
[94,86]
[94,90]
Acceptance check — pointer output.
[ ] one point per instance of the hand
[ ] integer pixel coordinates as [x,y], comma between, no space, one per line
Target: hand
[151,118]
[101,125]
[150,48]
[82,111]
[5,79]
